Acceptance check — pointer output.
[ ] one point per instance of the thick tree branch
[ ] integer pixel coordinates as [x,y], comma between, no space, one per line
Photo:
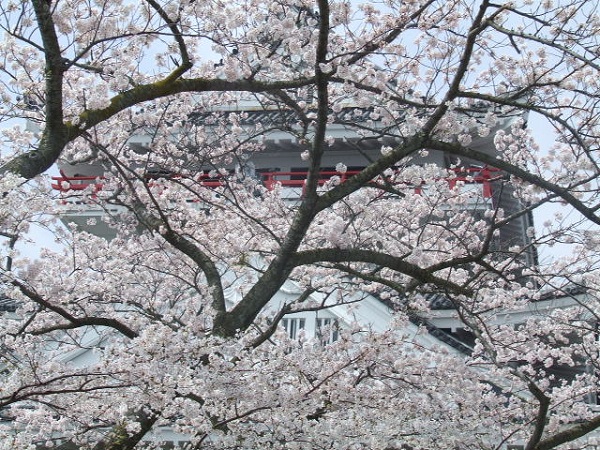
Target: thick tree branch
[341,255]
[74,322]
[120,439]
[55,134]
[541,417]
[244,313]
[213,277]
[569,434]
[162,226]
[495,161]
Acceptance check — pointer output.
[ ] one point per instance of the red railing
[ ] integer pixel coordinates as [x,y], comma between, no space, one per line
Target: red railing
[64,183]
[76,183]
[473,175]
[298,179]
[484,176]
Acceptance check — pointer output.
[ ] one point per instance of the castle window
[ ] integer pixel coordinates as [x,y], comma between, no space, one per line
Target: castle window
[293,326]
[326,330]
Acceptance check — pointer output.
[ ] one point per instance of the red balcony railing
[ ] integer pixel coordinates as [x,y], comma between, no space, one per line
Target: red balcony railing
[483,176]
[297,179]
[64,183]
[475,175]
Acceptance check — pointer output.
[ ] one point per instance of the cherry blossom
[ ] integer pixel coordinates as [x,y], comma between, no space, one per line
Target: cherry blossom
[197,293]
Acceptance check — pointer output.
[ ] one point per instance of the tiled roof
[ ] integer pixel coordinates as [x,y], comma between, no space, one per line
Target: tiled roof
[442,302]
[439,301]
[274,117]
[7,304]
[442,335]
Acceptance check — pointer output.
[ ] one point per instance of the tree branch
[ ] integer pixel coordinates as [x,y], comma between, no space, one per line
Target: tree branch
[562,192]
[340,255]
[570,434]
[186,62]
[243,314]
[74,322]
[541,417]
[55,134]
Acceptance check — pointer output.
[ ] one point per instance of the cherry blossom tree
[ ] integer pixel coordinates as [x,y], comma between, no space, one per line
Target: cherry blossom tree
[179,308]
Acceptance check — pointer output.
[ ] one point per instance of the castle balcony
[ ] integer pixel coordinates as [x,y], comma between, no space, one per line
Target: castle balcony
[77,193]
[355,139]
